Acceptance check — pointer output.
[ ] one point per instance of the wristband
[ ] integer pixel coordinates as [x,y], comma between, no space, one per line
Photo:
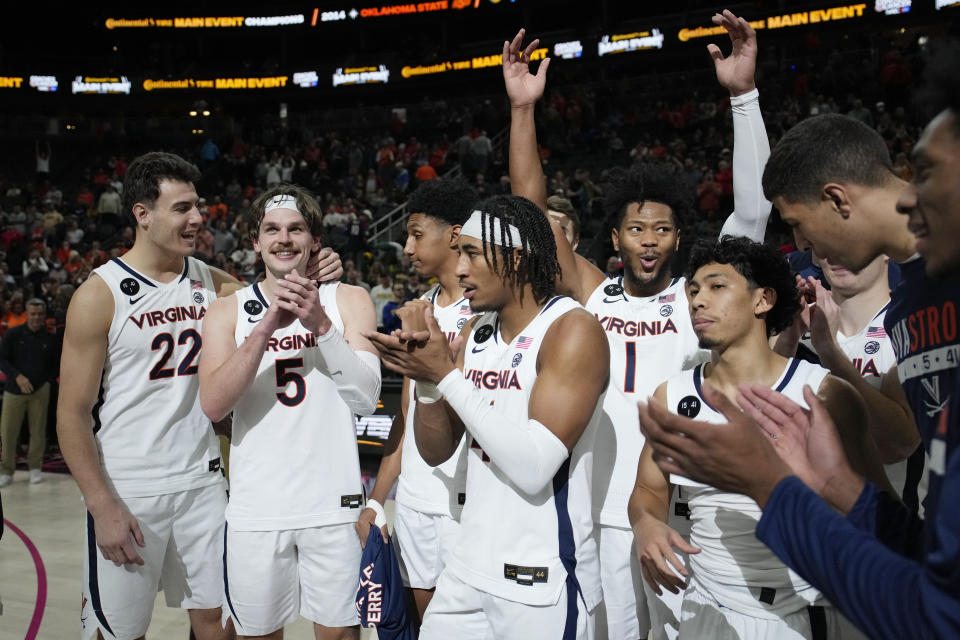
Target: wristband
[428,393]
[381,517]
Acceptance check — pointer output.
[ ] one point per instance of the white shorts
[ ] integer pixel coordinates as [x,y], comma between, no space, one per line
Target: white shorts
[623,613]
[459,611]
[704,617]
[425,542]
[183,533]
[272,577]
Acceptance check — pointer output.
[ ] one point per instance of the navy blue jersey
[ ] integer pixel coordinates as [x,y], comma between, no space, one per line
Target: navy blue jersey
[380,597]
[922,324]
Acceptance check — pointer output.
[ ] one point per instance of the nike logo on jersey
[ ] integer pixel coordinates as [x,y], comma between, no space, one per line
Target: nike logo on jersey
[338,372]
[612,300]
[136,300]
[475,350]
[254,320]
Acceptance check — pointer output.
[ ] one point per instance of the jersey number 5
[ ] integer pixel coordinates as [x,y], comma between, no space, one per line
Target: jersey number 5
[285,377]
[187,366]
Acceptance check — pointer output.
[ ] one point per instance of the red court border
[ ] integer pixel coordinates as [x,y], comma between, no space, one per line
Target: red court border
[41,601]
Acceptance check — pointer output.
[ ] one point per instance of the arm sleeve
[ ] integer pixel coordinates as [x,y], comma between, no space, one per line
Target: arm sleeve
[526,451]
[884,594]
[751,149]
[356,373]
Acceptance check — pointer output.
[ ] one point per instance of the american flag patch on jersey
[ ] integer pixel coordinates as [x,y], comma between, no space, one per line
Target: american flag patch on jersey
[465,310]
[523,342]
[876,332]
[672,297]
[196,285]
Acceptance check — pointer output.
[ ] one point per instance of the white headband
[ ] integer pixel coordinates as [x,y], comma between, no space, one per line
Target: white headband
[473,227]
[281,202]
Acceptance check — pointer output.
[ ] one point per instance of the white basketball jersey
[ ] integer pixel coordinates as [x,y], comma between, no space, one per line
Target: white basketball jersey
[514,545]
[293,455]
[651,339]
[434,490]
[871,352]
[153,437]
[733,566]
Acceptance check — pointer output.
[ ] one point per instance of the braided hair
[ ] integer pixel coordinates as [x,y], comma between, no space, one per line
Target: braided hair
[538,263]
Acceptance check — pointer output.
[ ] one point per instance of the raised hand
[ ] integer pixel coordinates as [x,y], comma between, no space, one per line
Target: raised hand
[736,71]
[824,319]
[523,87]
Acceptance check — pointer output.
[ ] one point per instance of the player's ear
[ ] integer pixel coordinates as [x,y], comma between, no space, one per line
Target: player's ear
[766,298]
[317,245]
[454,236]
[838,197]
[615,239]
[141,214]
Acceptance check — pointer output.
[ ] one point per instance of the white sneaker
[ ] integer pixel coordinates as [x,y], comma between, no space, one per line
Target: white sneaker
[36,476]
[5,480]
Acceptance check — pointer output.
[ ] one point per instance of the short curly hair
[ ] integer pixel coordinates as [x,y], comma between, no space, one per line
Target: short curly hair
[762,266]
[648,182]
[449,200]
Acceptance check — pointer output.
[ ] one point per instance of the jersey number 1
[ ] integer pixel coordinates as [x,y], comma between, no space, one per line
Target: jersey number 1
[630,370]
[285,377]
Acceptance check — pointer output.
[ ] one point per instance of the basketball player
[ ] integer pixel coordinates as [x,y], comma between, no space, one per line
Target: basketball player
[129,424]
[524,389]
[740,293]
[644,311]
[429,499]
[841,198]
[846,332]
[291,362]
[891,573]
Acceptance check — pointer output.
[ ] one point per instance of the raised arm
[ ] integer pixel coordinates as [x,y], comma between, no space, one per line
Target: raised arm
[84,353]
[352,354]
[751,149]
[578,278]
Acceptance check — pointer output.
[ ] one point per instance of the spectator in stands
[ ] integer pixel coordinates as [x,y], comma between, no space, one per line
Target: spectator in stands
[389,320]
[204,243]
[109,202]
[15,315]
[245,259]
[42,152]
[74,234]
[223,240]
[29,357]
[561,210]
[382,293]
[35,269]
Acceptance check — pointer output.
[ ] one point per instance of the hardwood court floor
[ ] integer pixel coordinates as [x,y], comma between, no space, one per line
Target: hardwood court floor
[51,516]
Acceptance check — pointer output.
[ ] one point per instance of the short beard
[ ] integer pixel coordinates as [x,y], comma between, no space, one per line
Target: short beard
[707,343]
